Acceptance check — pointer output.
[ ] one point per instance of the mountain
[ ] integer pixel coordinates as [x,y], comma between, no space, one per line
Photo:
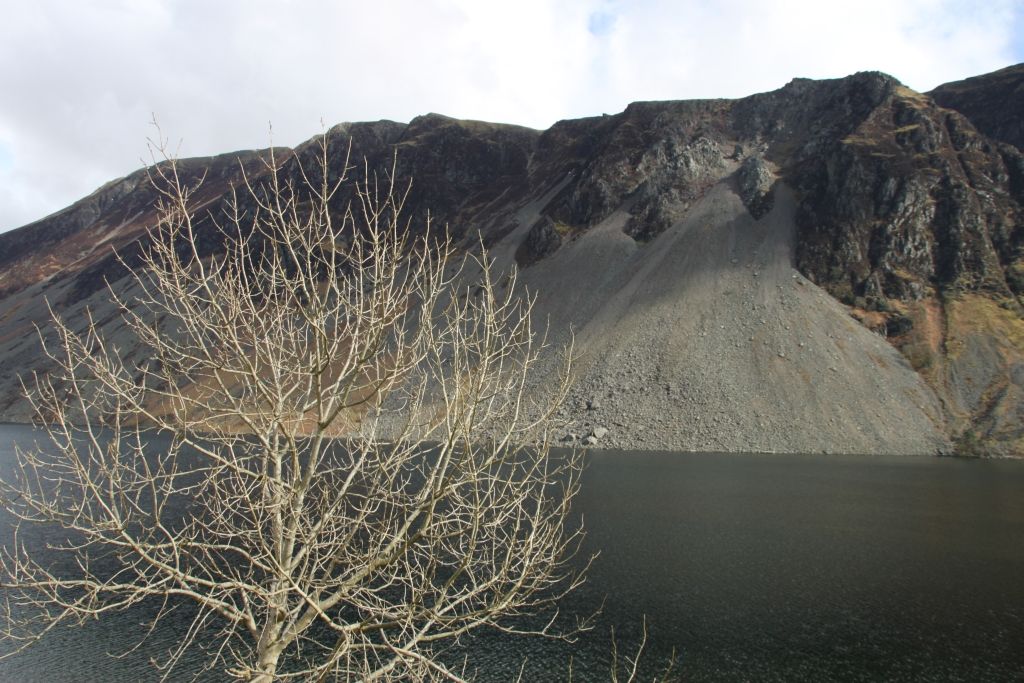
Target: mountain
[992,102]
[833,266]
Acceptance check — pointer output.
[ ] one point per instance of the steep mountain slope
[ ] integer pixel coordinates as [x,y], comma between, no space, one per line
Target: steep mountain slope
[706,338]
[115,216]
[740,275]
[992,102]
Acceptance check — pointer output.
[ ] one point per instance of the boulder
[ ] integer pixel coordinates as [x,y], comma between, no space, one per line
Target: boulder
[755,180]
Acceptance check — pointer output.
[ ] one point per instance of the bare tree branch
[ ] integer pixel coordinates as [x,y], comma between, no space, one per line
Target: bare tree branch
[352,472]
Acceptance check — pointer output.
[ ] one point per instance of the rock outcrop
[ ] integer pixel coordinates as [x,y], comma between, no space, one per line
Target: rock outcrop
[991,102]
[755,180]
[543,239]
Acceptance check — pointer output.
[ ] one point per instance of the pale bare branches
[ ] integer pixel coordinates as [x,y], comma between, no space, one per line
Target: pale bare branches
[212,473]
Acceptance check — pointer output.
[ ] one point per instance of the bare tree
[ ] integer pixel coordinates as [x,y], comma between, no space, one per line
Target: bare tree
[303,556]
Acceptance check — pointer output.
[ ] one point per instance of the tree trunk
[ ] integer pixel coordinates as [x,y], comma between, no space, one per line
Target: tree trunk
[267,666]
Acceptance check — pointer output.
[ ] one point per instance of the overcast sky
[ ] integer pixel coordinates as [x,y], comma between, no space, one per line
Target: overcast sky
[81,79]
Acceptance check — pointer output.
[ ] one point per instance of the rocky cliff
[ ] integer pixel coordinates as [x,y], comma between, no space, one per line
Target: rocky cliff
[835,265]
[992,102]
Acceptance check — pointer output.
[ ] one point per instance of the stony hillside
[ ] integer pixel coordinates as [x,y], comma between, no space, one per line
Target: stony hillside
[833,266]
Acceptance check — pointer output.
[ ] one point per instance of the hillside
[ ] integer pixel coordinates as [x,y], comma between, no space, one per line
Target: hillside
[833,266]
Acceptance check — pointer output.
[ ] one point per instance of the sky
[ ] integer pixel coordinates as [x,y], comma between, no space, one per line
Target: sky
[82,80]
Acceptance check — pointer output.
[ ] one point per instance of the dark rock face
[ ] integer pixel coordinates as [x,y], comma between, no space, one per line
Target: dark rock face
[909,208]
[913,198]
[656,156]
[542,240]
[992,102]
[460,167]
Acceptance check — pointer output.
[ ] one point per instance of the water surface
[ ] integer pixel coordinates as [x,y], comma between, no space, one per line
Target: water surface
[756,567]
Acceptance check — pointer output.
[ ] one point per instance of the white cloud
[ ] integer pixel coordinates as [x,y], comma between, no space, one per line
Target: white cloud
[76,109]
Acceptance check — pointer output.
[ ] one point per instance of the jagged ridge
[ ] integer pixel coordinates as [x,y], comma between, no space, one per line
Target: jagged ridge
[904,207]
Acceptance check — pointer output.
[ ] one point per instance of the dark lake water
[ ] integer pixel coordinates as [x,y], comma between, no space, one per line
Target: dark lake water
[748,567]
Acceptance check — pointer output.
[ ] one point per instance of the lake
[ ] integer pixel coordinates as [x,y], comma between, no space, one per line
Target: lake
[748,567]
